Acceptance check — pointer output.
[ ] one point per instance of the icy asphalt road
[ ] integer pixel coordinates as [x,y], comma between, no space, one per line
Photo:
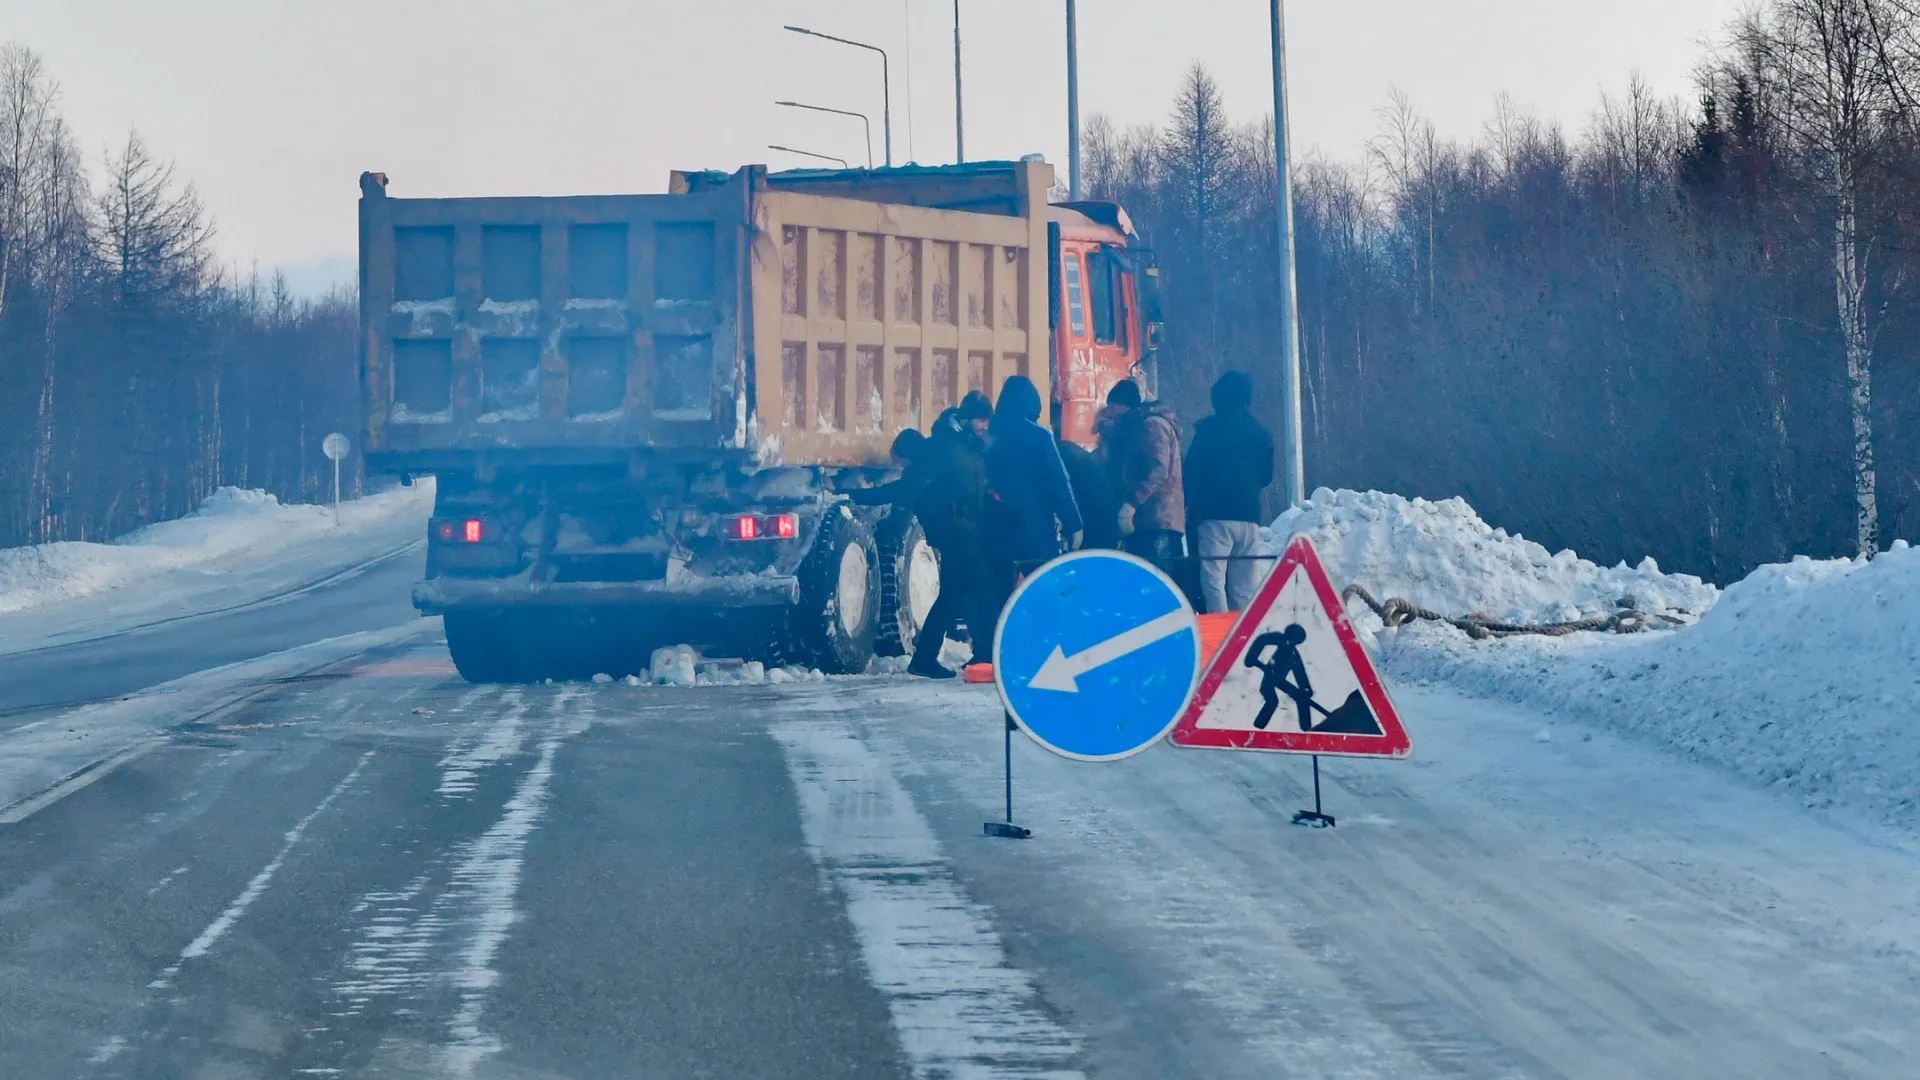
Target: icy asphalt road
[166,643]
[373,869]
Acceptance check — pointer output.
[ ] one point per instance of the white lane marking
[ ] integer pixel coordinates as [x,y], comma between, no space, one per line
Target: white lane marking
[960,1009]
[487,876]
[219,926]
[502,740]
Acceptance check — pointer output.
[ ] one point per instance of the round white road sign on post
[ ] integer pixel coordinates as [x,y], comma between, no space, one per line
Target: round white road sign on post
[335,446]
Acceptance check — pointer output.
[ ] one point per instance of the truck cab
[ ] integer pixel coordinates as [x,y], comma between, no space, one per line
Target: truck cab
[1104,310]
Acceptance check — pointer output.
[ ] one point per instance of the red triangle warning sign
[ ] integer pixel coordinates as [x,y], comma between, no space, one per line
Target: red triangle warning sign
[1292,676]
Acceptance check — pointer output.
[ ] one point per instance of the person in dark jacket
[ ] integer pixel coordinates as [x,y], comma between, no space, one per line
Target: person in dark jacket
[1144,454]
[1032,504]
[949,497]
[903,489]
[1092,490]
[1229,464]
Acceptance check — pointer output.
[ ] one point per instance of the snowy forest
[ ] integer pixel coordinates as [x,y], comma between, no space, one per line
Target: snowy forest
[1686,328]
[136,376]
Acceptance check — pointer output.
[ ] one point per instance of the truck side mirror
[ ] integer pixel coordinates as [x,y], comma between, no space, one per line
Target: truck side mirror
[1155,331]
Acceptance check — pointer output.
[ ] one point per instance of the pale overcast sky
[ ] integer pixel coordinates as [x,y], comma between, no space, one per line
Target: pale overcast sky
[274,109]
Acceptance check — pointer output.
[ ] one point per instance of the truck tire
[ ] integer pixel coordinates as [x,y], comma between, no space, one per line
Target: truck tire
[488,647]
[834,625]
[909,582]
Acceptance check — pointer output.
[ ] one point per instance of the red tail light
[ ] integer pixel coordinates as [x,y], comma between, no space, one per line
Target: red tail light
[746,528]
[785,527]
[447,533]
[472,531]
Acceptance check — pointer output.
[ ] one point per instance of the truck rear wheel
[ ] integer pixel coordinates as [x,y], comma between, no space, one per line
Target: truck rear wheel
[837,619]
[909,582]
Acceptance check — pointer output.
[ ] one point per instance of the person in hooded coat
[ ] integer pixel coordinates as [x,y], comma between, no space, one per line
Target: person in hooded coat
[945,484]
[1031,506]
[1229,464]
[1144,453]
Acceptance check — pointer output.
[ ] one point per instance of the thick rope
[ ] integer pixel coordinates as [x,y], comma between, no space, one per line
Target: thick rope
[1627,618]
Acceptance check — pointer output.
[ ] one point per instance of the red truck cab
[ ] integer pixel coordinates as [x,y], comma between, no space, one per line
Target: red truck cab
[1104,310]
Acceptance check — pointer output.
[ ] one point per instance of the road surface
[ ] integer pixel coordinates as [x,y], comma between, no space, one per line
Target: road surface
[367,596]
[365,867]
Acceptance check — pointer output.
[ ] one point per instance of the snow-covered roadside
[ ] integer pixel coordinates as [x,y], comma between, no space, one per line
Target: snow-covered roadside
[72,745]
[1805,676]
[239,547]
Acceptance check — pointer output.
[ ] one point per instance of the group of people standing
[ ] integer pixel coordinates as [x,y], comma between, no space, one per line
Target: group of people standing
[997,495]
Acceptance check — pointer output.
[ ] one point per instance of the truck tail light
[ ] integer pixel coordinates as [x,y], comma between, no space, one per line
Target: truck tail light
[777,527]
[469,531]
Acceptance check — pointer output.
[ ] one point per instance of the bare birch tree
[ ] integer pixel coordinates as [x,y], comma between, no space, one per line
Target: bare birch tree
[1840,98]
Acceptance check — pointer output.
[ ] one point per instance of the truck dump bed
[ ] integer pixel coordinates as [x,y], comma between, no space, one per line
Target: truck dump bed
[787,319]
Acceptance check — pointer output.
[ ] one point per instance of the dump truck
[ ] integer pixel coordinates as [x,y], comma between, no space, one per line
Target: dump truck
[641,411]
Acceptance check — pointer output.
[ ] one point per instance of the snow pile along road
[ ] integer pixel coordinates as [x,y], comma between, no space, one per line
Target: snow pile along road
[232,527]
[1440,555]
[1804,677]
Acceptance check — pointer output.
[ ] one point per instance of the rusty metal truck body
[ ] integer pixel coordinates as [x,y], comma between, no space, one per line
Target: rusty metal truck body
[638,407]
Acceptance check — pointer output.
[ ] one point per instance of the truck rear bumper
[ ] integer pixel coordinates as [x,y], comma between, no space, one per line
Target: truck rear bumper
[733,591]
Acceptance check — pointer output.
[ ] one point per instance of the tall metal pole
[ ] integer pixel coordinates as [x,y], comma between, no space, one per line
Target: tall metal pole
[866,124]
[886,83]
[906,39]
[959,112]
[1292,469]
[1073,105]
[809,153]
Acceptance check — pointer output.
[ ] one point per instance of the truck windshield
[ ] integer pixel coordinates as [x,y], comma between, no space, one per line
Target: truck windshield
[1100,295]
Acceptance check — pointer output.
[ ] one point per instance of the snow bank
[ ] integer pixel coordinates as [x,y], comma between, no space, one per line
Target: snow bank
[1440,555]
[1804,677]
[231,526]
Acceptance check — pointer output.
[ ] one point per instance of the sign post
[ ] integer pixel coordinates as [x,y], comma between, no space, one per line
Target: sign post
[336,446]
[1095,659]
[1291,652]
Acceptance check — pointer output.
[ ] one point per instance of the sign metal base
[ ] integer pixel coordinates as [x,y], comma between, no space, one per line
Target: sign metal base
[1314,819]
[1007,829]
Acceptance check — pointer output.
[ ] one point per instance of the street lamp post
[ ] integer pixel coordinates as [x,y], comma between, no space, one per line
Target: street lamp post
[1073,104]
[886,84]
[959,114]
[809,153]
[1292,468]
[839,112]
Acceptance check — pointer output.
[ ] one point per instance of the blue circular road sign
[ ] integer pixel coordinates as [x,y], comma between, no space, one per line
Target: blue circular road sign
[1097,655]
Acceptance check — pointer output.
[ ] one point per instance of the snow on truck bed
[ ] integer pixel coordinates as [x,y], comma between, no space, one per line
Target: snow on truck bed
[1804,676]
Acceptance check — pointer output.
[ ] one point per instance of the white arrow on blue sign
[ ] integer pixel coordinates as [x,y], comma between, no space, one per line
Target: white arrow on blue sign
[1097,655]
